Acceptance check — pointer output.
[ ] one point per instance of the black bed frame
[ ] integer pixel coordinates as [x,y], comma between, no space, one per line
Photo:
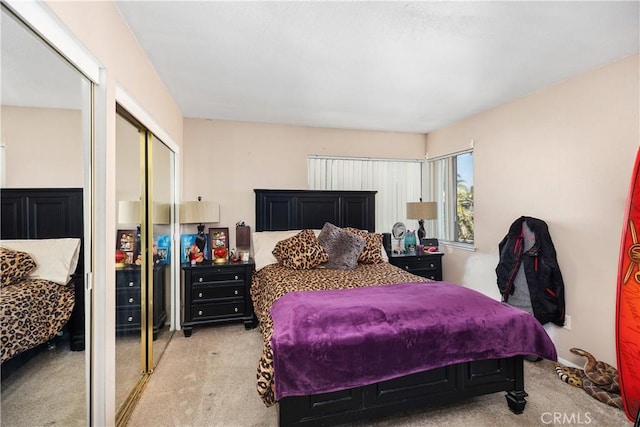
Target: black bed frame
[299,209]
[46,213]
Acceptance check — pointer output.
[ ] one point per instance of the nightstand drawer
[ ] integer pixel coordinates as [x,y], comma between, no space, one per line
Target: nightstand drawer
[128,279]
[217,275]
[128,298]
[225,309]
[128,317]
[419,264]
[230,289]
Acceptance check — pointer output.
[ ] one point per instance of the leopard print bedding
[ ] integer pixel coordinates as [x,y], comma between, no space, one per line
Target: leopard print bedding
[14,265]
[32,311]
[275,280]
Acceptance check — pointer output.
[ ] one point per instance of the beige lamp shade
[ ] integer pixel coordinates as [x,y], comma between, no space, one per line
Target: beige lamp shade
[199,212]
[161,213]
[422,210]
[129,212]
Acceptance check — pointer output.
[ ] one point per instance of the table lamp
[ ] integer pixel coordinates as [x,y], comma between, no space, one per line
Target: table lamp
[199,212]
[421,211]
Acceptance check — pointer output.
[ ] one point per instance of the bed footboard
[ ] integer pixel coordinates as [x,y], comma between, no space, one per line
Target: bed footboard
[435,387]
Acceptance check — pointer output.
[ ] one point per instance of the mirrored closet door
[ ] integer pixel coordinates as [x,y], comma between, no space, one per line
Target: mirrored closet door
[44,169]
[144,268]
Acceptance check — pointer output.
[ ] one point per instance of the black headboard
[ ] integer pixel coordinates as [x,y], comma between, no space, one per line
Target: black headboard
[278,210]
[48,213]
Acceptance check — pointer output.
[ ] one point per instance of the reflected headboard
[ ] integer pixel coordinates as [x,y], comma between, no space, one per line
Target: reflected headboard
[278,210]
[47,213]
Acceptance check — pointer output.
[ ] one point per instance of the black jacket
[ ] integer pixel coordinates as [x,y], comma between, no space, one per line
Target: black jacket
[544,280]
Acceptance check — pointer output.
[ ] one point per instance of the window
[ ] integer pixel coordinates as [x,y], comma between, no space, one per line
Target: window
[450,183]
[396,182]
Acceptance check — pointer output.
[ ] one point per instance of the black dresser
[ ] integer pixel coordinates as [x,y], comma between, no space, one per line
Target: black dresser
[215,293]
[128,291]
[426,265]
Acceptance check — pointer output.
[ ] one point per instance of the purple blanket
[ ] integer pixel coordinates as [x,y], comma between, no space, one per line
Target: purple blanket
[332,340]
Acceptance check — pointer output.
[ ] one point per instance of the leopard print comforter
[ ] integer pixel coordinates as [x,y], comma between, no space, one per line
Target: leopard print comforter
[275,280]
[32,311]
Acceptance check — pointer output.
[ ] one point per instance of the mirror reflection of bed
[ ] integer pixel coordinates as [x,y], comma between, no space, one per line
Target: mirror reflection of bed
[371,339]
[45,123]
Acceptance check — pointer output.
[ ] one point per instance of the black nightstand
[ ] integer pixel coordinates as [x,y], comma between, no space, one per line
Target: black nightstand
[215,293]
[128,308]
[427,265]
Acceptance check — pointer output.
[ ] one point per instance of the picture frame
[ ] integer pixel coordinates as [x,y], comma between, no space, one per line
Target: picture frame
[162,249]
[218,237]
[126,241]
[186,240]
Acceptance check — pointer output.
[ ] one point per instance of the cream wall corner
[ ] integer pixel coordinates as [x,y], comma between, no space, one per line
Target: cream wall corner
[564,155]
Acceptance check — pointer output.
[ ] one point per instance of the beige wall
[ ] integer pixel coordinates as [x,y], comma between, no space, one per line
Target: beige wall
[43,147]
[224,161]
[564,155]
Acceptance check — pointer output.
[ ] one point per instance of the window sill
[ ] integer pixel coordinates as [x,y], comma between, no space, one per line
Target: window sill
[458,245]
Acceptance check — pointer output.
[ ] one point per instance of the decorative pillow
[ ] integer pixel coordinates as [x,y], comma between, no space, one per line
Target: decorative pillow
[372,252]
[56,259]
[343,248]
[15,266]
[301,252]
[263,243]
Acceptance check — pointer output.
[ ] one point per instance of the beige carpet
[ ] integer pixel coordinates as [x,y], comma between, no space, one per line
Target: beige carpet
[50,388]
[209,380]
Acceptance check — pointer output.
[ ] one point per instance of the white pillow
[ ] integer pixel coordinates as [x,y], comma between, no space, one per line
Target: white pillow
[265,241]
[56,259]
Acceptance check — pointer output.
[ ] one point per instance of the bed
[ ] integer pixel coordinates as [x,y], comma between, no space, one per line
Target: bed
[42,291]
[37,294]
[326,357]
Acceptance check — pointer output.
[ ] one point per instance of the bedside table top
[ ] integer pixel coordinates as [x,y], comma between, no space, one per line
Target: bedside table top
[208,264]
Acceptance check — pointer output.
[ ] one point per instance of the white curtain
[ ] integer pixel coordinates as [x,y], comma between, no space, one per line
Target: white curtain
[441,188]
[396,182]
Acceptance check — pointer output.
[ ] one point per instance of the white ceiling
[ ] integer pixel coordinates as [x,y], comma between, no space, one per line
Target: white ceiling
[398,66]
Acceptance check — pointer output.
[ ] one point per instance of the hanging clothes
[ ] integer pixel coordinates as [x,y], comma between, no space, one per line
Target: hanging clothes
[528,274]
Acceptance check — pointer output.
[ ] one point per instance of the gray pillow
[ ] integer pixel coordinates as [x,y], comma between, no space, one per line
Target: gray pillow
[343,248]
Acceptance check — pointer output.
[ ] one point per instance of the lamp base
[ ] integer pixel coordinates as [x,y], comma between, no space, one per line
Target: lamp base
[421,231]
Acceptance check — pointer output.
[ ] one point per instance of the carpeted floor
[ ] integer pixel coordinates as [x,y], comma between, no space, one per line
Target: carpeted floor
[208,379]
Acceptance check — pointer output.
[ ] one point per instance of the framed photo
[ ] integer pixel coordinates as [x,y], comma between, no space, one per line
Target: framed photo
[186,242]
[162,249]
[218,237]
[126,242]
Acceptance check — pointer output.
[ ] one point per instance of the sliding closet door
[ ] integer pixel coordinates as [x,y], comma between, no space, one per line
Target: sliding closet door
[144,276]
[46,117]
[161,178]
[130,142]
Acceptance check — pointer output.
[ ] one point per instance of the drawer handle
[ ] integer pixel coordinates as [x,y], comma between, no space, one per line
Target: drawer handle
[406,267]
[200,295]
[235,309]
[130,300]
[130,319]
[236,278]
[199,312]
[432,265]
[236,292]
[130,284]
[200,279]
